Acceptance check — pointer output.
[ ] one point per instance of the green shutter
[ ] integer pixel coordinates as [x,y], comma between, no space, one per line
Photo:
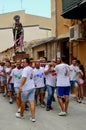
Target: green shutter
[69,4]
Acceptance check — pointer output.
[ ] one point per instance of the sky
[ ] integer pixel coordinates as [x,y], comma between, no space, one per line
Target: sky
[34,7]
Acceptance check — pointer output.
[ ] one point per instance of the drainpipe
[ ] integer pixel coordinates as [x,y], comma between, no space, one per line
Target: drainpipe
[56,18]
[70,52]
[56,28]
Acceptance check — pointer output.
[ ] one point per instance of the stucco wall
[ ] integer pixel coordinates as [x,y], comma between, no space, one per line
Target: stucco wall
[6,19]
[63,23]
[37,49]
[30,33]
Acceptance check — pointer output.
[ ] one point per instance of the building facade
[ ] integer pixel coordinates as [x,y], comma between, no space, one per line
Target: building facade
[66,15]
[74,11]
[35,27]
[60,32]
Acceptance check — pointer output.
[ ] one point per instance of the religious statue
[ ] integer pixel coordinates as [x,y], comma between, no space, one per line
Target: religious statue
[18,34]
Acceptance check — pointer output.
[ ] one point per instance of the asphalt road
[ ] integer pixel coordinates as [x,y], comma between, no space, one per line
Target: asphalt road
[45,120]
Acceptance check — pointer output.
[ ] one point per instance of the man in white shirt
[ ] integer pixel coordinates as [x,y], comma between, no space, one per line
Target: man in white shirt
[2,77]
[27,90]
[39,83]
[74,72]
[8,70]
[63,85]
[50,83]
[16,75]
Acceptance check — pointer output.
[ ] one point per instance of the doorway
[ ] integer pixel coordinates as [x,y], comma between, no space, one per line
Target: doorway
[40,54]
[65,50]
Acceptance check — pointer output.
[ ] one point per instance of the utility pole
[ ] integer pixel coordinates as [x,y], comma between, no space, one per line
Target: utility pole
[56,18]
[21,4]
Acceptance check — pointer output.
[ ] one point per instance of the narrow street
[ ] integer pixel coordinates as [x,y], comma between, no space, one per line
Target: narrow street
[46,120]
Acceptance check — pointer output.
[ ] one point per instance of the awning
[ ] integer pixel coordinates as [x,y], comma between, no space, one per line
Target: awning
[36,43]
[63,36]
[76,12]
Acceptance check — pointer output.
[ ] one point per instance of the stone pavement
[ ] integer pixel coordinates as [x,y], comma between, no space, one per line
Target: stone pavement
[46,120]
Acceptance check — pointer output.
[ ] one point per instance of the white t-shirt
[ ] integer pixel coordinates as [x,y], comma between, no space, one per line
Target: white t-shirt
[17,76]
[29,75]
[39,77]
[62,71]
[74,70]
[7,70]
[50,77]
[2,71]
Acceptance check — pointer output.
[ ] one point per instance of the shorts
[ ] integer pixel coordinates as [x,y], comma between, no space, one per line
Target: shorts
[74,83]
[28,95]
[16,89]
[40,90]
[3,81]
[11,87]
[81,82]
[63,91]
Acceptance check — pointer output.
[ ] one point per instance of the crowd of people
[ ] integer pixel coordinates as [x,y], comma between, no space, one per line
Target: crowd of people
[39,81]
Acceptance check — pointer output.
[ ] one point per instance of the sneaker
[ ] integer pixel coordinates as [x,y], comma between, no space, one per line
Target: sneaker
[19,116]
[33,119]
[79,100]
[62,113]
[42,105]
[19,110]
[11,101]
[47,109]
[51,108]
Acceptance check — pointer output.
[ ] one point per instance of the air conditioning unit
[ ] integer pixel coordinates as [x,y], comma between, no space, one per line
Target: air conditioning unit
[77,32]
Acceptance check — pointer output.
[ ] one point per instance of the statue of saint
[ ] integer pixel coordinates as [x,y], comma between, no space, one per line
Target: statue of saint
[18,34]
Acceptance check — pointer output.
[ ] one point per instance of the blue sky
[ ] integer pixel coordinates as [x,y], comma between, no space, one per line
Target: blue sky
[35,7]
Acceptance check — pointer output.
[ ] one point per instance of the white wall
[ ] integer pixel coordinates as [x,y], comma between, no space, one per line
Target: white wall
[6,39]
[30,33]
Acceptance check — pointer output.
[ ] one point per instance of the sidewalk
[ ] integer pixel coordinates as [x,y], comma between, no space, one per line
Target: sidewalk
[46,120]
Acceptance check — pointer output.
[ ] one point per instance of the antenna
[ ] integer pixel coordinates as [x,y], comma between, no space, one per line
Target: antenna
[21,3]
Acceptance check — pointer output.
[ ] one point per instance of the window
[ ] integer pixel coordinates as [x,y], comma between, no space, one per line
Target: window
[40,54]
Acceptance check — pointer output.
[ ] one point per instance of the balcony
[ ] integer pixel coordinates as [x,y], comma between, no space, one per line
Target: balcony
[74,9]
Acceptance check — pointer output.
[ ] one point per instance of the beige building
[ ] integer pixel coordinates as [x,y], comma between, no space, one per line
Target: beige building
[35,27]
[61,31]
[31,32]
[60,34]
[44,47]
[68,30]
[67,35]
[47,47]
[72,25]
[6,19]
